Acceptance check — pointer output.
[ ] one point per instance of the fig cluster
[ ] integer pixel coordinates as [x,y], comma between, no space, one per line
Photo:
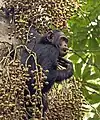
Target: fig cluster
[66,102]
[42,14]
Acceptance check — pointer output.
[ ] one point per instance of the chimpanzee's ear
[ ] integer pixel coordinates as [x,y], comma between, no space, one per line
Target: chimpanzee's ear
[50,36]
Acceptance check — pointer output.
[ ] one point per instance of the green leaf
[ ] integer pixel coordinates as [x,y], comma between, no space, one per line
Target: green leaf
[74,58]
[78,67]
[85,92]
[98,108]
[93,76]
[97,59]
[86,72]
[93,44]
[93,86]
[94,98]
[83,43]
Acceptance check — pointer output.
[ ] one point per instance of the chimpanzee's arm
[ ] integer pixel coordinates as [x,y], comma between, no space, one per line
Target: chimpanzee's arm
[65,73]
[57,76]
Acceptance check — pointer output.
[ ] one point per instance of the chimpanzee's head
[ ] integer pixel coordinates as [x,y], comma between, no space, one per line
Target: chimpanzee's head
[63,46]
[58,39]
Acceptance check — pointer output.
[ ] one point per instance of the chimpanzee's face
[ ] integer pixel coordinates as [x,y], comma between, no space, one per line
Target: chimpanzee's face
[63,46]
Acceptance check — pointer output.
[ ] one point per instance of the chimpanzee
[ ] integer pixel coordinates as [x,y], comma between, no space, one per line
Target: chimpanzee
[49,50]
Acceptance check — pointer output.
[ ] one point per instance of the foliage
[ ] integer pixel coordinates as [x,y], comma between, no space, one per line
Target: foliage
[85,44]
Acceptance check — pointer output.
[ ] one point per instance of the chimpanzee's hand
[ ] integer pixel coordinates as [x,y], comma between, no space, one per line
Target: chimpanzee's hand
[69,66]
[64,63]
